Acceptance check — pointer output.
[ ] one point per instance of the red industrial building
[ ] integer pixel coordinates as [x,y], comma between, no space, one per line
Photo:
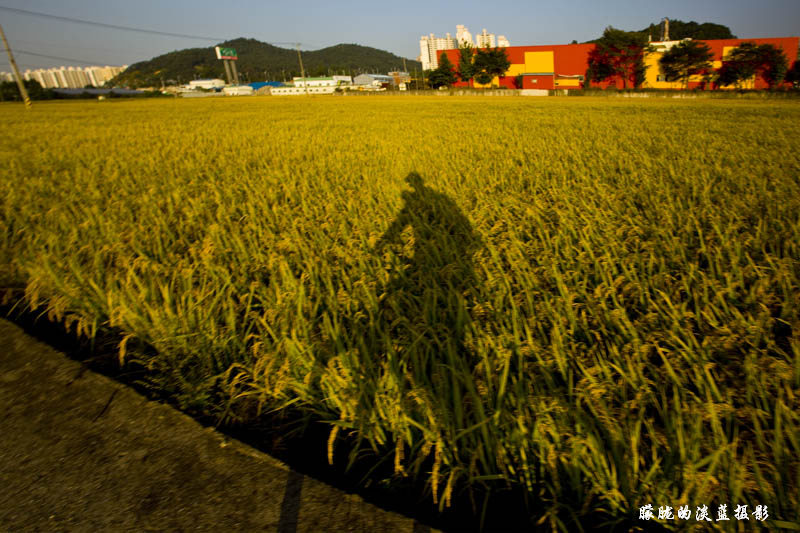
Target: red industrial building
[564,66]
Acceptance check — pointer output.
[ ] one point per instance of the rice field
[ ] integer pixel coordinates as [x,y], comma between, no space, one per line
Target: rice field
[594,300]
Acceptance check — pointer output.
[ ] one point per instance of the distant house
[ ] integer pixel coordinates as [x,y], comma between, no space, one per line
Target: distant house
[238,90]
[264,87]
[214,84]
[373,80]
[321,85]
[400,77]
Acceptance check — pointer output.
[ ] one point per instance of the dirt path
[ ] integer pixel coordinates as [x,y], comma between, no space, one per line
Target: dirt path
[80,452]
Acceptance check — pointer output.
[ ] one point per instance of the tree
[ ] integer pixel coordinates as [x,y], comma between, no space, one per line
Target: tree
[793,75]
[733,73]
[490,62]
[684,60]
[444,74]
[466,67]
[750,59]
[773,65]
[679,30]
[618,54]
[9,91]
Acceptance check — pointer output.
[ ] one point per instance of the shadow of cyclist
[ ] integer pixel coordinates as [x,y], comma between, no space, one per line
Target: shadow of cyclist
[424,305]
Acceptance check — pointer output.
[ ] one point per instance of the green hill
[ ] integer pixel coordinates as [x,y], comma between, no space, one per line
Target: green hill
[689,30]
[258,61]
[679,29]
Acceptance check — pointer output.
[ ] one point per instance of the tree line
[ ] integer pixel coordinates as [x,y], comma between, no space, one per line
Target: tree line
[479,65]
[9,92]
[619,55]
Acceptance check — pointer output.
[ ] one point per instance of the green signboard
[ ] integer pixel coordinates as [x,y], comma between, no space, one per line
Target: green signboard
[226,53]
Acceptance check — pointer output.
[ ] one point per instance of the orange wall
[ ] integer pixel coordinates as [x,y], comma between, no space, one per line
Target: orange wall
[571,59]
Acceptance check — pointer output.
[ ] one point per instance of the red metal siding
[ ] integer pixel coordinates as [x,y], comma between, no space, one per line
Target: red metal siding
[537,82]
[572,59]
[787,44]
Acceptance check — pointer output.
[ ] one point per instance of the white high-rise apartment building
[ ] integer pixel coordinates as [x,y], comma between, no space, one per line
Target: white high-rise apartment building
[98,76]
[76,77]
[486,40]
[71,77]
[429,47]
[463,36]
[489,40]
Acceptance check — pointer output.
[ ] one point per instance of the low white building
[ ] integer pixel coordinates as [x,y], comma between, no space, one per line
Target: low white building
[278,91]
[325,81]
[215,83]
[373,80]
[238,90]
[321,85]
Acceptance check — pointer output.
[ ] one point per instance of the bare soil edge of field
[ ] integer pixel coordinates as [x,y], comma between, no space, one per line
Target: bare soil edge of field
[80,451]
[305,454]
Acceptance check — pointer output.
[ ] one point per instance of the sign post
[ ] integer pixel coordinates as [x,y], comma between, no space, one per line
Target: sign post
[227,71]
[235,74]
[227,55]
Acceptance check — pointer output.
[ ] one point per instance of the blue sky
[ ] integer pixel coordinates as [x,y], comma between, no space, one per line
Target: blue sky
[394,26]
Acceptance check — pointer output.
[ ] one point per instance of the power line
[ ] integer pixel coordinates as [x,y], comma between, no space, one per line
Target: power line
[79,48]
[125,28]
[56,57]
[111,26]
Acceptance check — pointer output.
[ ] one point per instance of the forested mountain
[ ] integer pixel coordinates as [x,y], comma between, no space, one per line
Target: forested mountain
[259,61]
[679,29]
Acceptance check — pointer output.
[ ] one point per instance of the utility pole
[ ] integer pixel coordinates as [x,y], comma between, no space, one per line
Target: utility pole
[20,84]
[302,70]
